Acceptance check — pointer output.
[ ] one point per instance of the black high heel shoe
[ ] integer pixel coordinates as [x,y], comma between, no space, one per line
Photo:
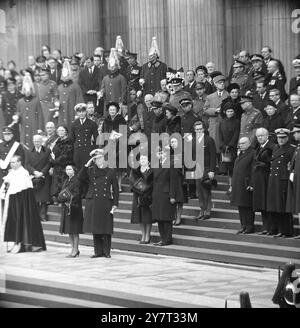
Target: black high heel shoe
[148,242]
[75,255]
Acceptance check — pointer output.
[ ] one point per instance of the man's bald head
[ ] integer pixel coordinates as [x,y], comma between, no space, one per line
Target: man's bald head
[244,143]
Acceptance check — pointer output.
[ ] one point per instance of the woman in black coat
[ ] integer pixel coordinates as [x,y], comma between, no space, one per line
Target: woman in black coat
[102,199]
[229,130]
[112,123]
[71,216]
[142,201]
[62,155]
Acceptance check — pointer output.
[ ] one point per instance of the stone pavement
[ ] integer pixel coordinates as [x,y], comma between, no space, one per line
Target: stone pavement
[194,282]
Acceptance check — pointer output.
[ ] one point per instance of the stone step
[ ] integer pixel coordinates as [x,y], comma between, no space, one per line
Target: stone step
[208,228]
[54,293]
[207,238]
[234,257]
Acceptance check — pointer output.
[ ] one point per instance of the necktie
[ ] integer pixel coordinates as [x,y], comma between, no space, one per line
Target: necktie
[91,71]
[220,94]
[81,121]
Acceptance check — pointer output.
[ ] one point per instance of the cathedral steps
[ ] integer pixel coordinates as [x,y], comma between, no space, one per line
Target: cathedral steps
[214,239]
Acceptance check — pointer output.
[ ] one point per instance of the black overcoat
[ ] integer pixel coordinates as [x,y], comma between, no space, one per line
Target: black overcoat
[278,178]
[293,196]
[141,204]
[164,188]
[241,179]
[40,162]
[103,193]
[72,220]
[260,176]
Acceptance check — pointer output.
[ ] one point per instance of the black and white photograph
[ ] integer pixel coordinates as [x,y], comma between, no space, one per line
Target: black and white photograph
[149,158]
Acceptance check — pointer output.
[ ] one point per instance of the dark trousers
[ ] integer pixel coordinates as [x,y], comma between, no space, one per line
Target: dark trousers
[282,223]
[204,196]
[266,221]
[247,218]
[165,229]
[102,245]
[43,208]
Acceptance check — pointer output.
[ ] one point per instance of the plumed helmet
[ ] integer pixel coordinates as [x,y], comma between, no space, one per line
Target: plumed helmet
[154,48]
[66,70]
[27,83]
[113,60]
[119,44]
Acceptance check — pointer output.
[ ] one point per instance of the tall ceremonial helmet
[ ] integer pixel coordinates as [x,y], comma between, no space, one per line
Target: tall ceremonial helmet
[27,85]
[66,72]
[119,44]
[153,51]
[113,60]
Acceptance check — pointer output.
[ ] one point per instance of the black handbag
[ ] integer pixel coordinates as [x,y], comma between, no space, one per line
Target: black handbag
[65,196]
[139,186]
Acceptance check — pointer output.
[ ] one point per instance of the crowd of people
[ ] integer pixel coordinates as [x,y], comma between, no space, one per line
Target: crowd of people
[64,117]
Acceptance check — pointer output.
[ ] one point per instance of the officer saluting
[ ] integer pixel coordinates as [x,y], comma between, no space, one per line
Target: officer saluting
[84,133]
[8,148]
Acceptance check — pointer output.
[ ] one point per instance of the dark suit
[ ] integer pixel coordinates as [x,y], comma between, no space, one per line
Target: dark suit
[55,76]
[40,161]
[260,102]
[84,137]
[190,87]
[163,212]
[204,192]
[88,82]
